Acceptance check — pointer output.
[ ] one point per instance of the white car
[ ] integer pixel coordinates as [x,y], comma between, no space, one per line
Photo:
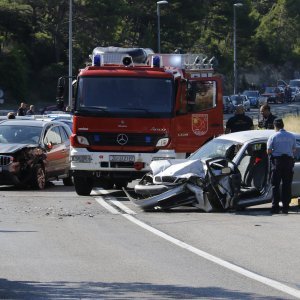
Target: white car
[230,171]
[240,99]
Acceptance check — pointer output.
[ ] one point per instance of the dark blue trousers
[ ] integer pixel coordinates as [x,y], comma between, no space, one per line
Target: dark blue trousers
[282,173]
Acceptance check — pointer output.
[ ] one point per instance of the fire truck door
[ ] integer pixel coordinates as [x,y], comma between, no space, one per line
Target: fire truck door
[203,118]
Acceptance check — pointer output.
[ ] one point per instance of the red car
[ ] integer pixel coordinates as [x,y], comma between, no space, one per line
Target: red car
[273,94]
[33,152]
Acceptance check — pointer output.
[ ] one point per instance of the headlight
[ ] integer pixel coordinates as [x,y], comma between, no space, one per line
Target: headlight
[82,140]
[162,142]
[81,158]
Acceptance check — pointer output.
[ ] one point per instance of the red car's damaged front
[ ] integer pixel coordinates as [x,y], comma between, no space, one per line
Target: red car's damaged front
[19,164]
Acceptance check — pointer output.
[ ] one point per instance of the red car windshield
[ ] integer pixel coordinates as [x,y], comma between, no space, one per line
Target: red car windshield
[20,134]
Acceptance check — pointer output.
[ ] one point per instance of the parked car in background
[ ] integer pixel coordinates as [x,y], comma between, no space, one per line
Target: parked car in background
[273,94]
[295,93]
[33,152]
[294,83]
[63,117]
[228,106]
[230,171]
[253,96]
[240,99]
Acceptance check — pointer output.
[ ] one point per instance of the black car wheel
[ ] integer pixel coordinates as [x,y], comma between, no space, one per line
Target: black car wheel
[83,185]
[38,177]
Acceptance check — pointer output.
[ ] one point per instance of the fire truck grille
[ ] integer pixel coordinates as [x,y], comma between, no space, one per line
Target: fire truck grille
[5,160]
[122,139]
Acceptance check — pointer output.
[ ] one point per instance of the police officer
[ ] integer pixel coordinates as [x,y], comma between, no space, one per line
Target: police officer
[239,122]
[22,109]
[268,117]
[281,146]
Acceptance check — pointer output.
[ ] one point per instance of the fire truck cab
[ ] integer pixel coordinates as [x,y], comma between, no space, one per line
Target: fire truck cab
[132,106]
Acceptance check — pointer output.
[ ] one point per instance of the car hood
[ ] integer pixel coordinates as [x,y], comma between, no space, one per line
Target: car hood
[12,148]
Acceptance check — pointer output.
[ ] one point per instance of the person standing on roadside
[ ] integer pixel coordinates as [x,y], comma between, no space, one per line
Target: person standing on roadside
[287,94]
[268,118]
[22,110]
[281,146]
[30,112]
[239,122]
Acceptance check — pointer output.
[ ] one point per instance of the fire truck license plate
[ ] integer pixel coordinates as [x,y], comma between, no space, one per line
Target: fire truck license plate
[121,158]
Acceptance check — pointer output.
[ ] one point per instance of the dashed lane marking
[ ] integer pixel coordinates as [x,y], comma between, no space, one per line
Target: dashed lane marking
[264,280]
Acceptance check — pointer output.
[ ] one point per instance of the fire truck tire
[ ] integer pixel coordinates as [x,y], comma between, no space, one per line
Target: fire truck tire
[83,185]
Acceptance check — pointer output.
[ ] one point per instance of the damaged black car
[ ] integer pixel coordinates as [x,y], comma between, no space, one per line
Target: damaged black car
[33,152]
[229,172]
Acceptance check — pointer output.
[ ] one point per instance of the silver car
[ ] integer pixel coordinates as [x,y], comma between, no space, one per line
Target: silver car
[230,171]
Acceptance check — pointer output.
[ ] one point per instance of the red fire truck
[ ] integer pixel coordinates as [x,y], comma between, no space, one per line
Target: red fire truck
[132,106]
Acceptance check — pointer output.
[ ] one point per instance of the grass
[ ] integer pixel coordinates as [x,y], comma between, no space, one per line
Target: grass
[292,123]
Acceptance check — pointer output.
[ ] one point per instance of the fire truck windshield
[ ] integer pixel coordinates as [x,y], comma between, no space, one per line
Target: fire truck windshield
[125,95]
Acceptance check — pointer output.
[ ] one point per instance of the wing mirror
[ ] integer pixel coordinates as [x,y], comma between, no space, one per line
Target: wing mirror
[49,146]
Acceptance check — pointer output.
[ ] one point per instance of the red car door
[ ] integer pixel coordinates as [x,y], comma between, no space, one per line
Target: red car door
[56,152]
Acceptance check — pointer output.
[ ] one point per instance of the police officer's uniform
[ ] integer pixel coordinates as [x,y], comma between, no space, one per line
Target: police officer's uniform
[267,123]
[239,122]
[281,145]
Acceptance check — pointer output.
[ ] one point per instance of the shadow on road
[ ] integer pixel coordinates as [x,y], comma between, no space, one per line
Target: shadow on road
[115,290]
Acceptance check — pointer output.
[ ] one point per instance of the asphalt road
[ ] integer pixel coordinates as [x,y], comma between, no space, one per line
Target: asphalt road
[57,245]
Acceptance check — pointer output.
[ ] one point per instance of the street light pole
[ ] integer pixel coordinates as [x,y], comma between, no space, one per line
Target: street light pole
[158,23]
[70,53]
[234,48]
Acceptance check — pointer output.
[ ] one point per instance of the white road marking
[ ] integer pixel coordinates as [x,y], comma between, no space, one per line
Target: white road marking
[123,207]
[111,209]
[96,191]
[267,281]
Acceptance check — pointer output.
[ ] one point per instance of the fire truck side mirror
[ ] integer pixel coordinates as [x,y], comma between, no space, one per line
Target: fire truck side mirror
[60,88]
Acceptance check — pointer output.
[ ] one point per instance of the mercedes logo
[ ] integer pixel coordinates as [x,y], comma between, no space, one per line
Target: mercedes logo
[122,139]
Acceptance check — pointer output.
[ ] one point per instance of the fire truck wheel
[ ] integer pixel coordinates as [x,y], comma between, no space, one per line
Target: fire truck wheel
[120,184]
[83,185]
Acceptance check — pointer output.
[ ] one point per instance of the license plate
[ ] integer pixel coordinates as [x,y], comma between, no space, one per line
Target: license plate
[121,158]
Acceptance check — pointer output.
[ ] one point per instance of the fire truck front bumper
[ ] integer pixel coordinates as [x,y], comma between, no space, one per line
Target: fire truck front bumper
[82,159]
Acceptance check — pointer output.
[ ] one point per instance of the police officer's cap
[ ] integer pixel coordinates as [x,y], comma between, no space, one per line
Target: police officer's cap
[278,123]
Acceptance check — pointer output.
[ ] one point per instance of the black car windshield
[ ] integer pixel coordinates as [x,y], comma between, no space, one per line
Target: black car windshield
[19,134]
[125,95]
[217,148]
